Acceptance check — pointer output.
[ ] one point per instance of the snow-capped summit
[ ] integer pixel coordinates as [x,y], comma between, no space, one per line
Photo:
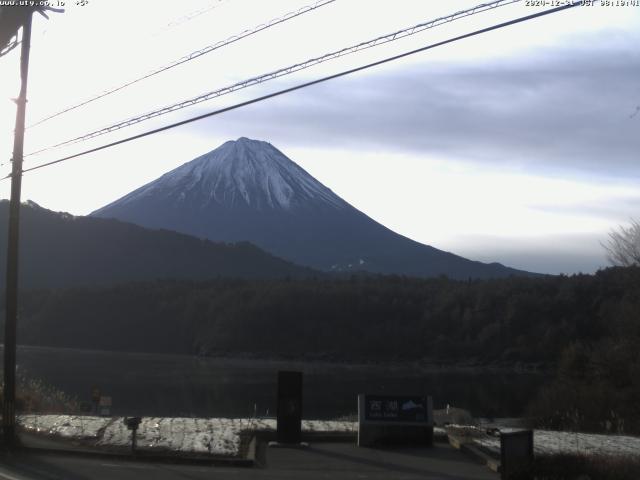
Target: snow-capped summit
[243,172]
[247,190]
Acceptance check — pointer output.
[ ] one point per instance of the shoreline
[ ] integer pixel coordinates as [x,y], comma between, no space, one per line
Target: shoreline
[321,361]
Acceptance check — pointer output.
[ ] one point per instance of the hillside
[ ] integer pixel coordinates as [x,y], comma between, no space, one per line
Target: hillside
[62,250]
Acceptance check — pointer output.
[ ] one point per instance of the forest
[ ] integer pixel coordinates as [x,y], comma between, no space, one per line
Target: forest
[583,328]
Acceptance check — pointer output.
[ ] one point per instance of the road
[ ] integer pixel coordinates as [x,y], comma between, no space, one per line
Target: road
[320,461]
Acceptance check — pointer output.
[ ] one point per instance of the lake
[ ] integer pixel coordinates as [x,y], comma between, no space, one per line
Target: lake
[178,385]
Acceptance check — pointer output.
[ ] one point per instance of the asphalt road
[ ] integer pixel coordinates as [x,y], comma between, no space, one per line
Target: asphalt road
[320,461]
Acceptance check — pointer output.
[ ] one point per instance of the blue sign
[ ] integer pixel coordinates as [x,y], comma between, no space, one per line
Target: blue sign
[395,408]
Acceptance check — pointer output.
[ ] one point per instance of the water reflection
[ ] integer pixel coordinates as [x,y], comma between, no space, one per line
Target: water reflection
[172,385]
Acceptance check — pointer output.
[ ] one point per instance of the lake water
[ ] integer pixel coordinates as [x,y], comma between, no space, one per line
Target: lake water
[175,385]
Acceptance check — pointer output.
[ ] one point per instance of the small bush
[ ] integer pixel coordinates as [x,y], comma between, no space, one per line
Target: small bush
[596,389]
[586,467]
[36,396]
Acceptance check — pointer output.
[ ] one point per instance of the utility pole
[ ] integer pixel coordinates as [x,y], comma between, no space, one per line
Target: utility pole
[9,403]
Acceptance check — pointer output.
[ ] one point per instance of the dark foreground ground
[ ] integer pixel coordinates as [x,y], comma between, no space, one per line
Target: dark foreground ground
[319,461]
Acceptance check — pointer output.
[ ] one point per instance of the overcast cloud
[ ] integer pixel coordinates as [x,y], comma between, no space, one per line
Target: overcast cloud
[553,109]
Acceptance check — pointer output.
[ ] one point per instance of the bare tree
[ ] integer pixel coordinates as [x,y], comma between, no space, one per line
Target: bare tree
[623,246]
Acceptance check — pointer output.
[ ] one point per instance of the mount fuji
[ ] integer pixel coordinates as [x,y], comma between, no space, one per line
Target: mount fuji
[247,190]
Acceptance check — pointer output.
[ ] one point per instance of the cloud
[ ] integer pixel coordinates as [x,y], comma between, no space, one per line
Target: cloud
[621,207]
[552,109]
[567,253]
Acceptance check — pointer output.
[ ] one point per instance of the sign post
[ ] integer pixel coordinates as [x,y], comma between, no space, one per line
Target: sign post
[95,400]
[395,419]
[104,406]
[132,424]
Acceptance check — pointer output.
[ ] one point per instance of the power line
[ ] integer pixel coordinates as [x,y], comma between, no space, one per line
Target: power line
[304,85]
[390,37]
[192,15]
[192,56]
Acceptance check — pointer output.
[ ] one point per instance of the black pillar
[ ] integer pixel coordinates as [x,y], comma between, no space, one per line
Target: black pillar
[289,407]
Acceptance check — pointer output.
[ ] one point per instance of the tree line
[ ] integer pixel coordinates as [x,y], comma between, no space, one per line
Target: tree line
[519,319]
[584,327]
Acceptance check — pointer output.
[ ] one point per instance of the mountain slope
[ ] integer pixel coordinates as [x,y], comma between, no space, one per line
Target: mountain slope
[61,250]
[248,190]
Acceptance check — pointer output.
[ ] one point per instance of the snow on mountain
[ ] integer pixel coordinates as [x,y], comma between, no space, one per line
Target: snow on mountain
[247,190]
[249,172]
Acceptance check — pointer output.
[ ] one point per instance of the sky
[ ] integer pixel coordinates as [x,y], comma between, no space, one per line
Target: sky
[519,146]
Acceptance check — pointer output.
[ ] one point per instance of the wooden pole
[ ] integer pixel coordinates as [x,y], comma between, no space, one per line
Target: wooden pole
[10,326]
